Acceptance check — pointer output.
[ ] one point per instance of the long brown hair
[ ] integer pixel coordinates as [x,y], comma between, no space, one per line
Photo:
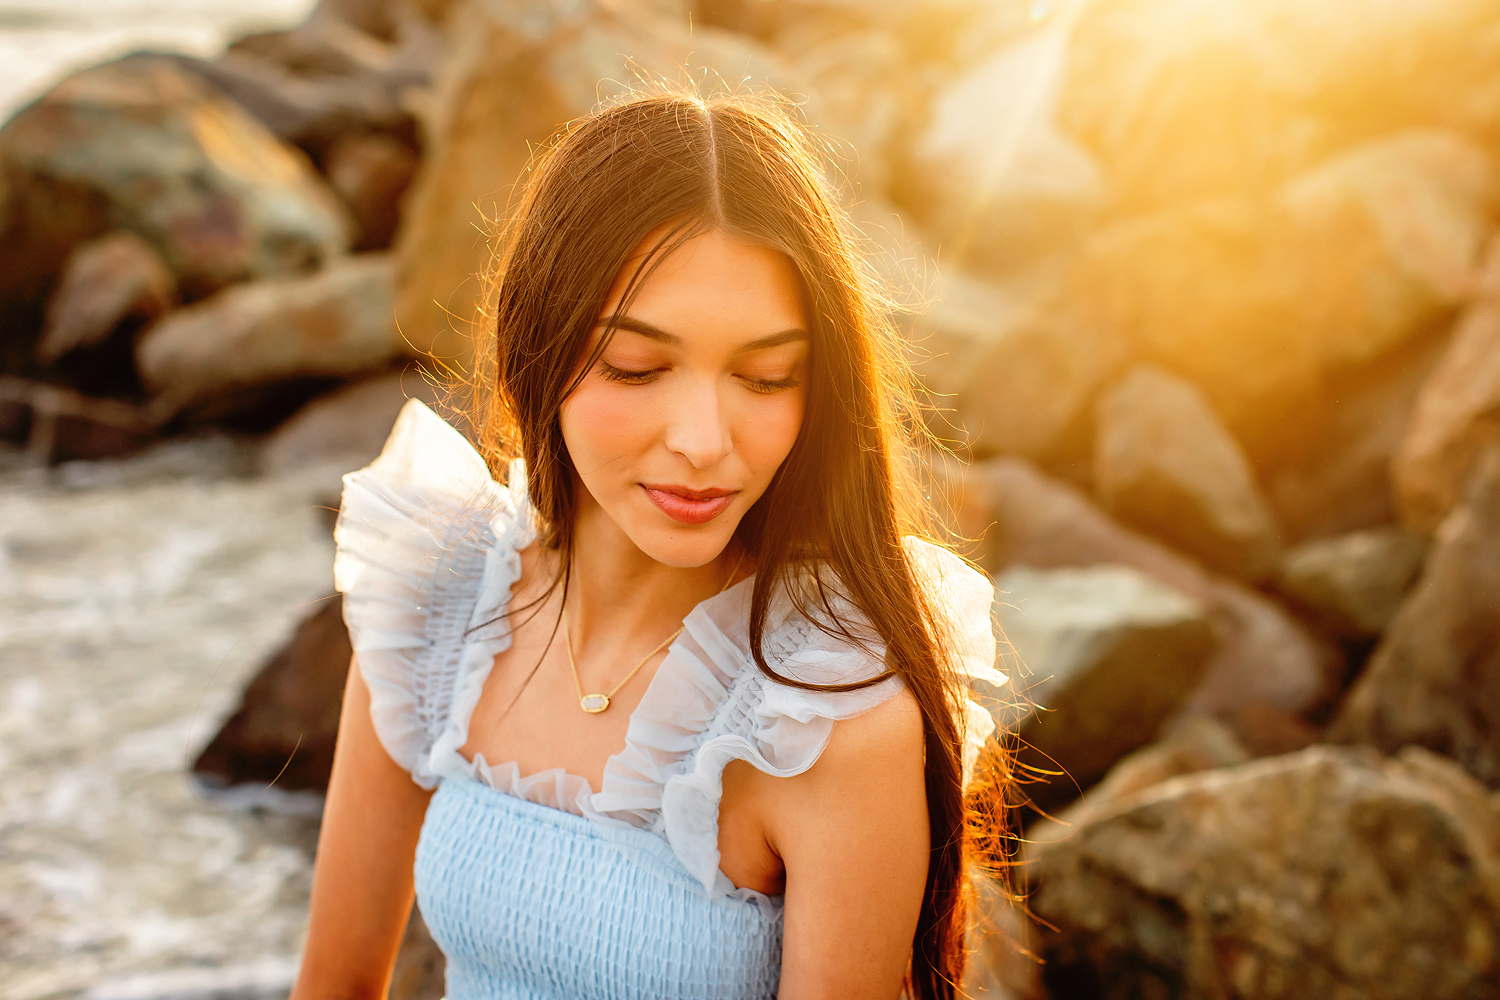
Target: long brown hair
[846,494]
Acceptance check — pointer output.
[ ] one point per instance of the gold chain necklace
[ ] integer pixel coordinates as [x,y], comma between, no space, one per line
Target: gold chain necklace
[598,702]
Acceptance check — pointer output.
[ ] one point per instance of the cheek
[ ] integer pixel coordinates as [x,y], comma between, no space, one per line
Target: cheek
[600,425]
[766,429]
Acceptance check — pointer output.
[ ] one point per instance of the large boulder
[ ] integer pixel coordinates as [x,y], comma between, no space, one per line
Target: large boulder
[1165,464]
[1337,477]
[1184,99]
[991,173]
[332,324]
[277,747]
[1259,300]
[1106,654]
[1435,678]
[325,79]
[141,144]
[1328,873]
[1353,584]
[512,78]
[1267,664]
[1457,416]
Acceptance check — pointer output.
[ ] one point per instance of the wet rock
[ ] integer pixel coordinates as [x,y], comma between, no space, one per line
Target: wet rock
[1005,194]
[371,172]
[1107,654]
[511,77]
[111,282]
[1454,421]
[276,750]
[1353,584]
[1023,518]
[140,144]
[1434,680]
[55,425]
[1257,301]
[335,323]
[1326,873]
[1182,99]
[1165,464]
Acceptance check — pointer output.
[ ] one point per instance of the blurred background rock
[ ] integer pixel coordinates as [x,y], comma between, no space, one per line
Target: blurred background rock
[1206,295]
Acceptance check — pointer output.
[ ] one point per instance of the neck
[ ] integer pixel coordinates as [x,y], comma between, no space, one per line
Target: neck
[618,592]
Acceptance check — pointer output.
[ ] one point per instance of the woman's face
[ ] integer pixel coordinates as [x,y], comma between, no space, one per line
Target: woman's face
[680,425]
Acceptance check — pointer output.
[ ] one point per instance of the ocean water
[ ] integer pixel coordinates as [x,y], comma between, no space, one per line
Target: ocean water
[41,41]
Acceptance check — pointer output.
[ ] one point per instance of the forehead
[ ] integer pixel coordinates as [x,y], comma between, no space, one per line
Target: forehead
[714,284]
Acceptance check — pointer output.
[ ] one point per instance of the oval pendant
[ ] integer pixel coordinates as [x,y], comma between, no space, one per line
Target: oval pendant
[594,703]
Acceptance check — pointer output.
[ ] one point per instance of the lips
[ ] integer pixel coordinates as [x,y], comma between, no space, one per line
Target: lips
[690,506]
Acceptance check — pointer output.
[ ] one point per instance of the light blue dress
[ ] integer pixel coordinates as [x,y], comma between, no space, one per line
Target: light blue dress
[538,887]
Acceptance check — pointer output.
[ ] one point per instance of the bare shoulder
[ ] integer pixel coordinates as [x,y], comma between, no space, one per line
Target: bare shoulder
[876,756]
[888,735]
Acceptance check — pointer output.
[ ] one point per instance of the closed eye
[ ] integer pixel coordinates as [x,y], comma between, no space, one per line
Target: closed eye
[769,385]
[628,376]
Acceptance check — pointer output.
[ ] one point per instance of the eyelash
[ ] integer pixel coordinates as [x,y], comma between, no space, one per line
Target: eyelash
[762,385]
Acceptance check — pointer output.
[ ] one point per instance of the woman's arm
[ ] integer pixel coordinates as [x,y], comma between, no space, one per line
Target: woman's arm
[362,885]
[852,831]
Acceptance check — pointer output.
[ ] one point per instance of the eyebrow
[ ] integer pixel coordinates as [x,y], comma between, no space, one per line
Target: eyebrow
[656,333]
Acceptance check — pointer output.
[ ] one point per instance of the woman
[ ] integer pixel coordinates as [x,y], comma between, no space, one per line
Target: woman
[679,710]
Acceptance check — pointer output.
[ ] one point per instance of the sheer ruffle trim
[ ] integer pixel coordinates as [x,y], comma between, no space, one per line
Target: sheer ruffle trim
[408,540]
[791,726]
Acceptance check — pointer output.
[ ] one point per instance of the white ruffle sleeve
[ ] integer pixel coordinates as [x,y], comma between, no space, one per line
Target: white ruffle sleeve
[417,562]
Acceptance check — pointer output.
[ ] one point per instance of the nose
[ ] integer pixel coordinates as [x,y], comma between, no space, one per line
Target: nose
[698,425]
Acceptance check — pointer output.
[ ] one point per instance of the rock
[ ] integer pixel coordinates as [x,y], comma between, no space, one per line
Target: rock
[326,79]
[1193,745]
[371,172]
[1434,680]
[1005,194]
[1022,518]
[1182,99]
[862,79]
[114,285]
[1031,387]
[277,748]
[139,144]
[1257,301]
[1457,416]
[1353,584]
[1165,464]
[344,430]
[56,425]
[508,84]
[335,323]
[1107,654]
[1326,873]
[1337,478]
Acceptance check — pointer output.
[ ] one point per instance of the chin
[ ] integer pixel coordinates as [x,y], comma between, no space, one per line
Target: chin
[684,548]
